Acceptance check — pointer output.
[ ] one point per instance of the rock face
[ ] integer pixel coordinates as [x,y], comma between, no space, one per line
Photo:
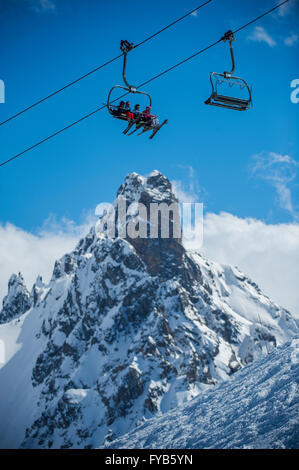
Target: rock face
[159,252]
[17,301]
[130,328]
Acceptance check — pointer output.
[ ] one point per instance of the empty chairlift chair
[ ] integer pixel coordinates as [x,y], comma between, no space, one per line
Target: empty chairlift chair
[226,81]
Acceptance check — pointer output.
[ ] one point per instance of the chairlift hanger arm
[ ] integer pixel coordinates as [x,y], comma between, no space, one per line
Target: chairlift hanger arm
[229,36]
[126,47]
[130,87]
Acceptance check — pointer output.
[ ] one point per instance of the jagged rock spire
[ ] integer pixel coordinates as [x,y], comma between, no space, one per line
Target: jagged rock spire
[36,289]
[155,190]
[17,301]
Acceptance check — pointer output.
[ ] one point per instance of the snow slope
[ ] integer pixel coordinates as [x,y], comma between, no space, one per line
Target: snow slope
[258,407]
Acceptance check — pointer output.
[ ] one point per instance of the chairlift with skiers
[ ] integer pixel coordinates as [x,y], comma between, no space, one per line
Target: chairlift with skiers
[142,120]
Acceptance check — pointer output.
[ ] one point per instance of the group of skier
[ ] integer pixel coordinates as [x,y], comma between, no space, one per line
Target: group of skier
[135,115]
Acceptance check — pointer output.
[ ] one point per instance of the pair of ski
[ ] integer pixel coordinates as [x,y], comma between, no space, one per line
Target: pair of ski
[145,128]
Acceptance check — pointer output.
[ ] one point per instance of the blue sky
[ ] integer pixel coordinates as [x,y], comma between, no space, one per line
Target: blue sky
[242,166]
[45,44]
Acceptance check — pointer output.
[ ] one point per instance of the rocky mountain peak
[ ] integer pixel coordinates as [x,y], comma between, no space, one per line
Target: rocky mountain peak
[147,189]
[15,280]
[17,301]
[159,243]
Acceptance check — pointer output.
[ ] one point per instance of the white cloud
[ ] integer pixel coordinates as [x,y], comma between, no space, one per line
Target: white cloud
[259,34]
[291,40]
[181,193]
[42,6]
[193,191]
[194,13]
[285,9]
[268,254]
[35,254]
[280,171]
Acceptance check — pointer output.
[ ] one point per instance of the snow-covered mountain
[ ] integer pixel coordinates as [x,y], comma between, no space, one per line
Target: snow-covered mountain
[257,408]
[125,330]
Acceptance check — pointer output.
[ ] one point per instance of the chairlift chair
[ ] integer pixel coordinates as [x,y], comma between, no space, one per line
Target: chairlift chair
[126,47]
[226,78]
